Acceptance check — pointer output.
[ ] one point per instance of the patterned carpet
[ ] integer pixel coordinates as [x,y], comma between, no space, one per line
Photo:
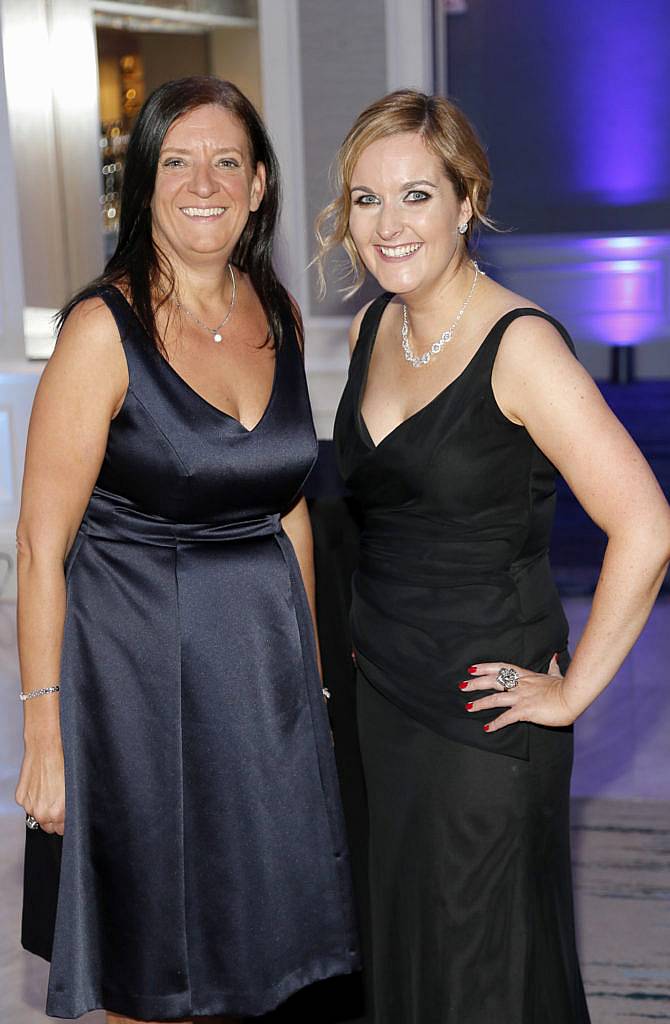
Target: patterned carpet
[622,887]
[621,856]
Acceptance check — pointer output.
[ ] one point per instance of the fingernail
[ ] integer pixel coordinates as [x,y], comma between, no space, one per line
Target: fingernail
[469,705]
[472,670]
[486,728]
[464,684]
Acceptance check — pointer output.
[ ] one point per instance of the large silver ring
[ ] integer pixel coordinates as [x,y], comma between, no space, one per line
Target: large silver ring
[30,822]
[508,678]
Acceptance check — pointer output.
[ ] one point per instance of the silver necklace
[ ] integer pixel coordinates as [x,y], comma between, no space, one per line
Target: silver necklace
[214,331]
[446,336]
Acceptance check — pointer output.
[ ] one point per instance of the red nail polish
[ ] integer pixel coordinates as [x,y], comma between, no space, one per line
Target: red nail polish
[486,728]
[472,670]
[469,706]
[462,686]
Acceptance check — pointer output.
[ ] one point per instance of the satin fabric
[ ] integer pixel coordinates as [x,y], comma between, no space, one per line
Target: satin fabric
[457,505]
[204,864]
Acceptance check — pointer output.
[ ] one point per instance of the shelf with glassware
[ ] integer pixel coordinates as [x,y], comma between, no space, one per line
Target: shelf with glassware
[113,147]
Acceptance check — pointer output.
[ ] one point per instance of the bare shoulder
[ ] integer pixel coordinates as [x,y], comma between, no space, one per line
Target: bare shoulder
[89,352]
[89,323]
[499,300]
[534,367]
[531,343]
[526,337]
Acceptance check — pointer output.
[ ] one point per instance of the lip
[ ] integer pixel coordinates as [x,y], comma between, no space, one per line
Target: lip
[401,258]
[202,218]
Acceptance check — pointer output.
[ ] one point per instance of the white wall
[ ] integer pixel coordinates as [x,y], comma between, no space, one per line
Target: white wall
[51,82]
[234,54]
[18,379]
[11,275]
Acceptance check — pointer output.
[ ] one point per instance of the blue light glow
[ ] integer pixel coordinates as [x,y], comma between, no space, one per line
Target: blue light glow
[622,296]
[620,80]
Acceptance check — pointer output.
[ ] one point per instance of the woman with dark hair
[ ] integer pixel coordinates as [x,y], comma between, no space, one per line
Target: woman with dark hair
[175,727]
[461,399]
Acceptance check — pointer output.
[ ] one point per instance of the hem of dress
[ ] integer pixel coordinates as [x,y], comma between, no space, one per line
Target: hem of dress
[181,1005]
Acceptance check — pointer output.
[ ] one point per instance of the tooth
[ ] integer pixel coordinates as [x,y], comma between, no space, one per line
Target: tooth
[194,211]
[400,250]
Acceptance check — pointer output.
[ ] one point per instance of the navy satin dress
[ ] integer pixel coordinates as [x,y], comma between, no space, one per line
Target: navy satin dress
[204,864]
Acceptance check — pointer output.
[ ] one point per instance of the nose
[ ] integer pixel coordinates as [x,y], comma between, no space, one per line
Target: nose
[202,181]
[389,223]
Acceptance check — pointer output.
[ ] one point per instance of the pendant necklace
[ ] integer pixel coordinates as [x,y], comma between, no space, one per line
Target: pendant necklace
[437,346]
[214,331]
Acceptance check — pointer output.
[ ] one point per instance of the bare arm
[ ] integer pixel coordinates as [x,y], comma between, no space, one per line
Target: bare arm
[298,528]
[539,384]
[80,391]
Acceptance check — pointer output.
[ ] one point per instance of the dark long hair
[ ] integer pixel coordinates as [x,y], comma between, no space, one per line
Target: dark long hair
[138,262]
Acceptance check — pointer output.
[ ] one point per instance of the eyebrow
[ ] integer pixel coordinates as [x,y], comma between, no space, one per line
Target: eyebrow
[403,188]
[227,149]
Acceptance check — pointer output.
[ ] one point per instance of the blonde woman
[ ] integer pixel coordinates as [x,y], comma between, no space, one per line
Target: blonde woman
[462,401]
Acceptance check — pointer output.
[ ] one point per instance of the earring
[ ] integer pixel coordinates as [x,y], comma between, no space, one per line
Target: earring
[462,228]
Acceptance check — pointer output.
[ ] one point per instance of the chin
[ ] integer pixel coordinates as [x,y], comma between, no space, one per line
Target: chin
[395,280]
[207,250]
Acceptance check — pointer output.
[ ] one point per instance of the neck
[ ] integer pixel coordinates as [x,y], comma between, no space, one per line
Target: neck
[203,285]
[431,311]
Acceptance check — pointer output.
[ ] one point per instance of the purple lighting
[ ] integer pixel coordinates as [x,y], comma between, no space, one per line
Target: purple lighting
[608,289]
[622,294]
[620,82]
[630,245]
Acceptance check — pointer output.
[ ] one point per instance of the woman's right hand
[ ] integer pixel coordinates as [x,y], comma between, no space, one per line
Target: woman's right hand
[41,787]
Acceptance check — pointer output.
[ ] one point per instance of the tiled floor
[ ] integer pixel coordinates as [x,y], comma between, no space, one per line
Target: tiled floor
[621,857]
[621,838]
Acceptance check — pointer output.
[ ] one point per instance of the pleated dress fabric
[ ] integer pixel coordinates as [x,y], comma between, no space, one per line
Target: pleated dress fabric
[204,866]
[469,856]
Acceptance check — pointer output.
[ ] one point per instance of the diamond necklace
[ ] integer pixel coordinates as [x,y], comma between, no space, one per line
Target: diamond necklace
[446,336]
[214,331]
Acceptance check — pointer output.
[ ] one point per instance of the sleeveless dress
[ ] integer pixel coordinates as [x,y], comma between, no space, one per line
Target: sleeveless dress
[204,866]
[469,856]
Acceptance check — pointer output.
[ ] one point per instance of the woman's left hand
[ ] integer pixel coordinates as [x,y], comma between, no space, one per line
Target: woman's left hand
[537,697]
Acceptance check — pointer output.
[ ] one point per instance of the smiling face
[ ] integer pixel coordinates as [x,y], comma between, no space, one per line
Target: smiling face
[405,214]
[206,185]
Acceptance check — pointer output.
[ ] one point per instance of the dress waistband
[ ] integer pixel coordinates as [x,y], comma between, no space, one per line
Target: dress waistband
[112,517]
[446,562]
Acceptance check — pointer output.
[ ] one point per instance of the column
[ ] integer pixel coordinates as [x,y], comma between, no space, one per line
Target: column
[322,63]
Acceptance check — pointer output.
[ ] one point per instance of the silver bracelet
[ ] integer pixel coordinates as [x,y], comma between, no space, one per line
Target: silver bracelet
[42,692]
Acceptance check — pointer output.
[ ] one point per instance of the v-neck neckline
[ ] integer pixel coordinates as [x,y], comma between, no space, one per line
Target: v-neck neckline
[196,394]
[363,429]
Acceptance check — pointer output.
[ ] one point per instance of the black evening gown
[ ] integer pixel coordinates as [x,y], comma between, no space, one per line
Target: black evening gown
[204,867]
[469,857]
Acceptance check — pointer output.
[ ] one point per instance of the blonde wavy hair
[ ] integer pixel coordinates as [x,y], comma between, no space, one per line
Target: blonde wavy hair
[445,130]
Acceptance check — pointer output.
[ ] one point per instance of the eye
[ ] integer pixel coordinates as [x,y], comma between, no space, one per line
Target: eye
[228,161]
[367,200]
[417,196]
[173,161]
